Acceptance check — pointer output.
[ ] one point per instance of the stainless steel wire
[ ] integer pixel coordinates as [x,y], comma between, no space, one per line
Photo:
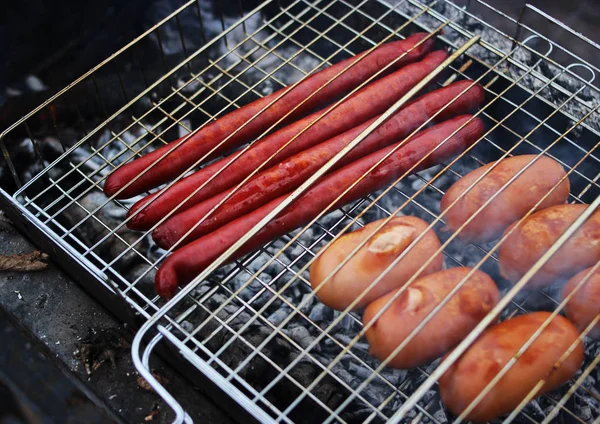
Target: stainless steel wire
[193,343]
[213,117]
[313,178]
[421,325]
[216,174]
[177,91]
[256,170]
[307,227]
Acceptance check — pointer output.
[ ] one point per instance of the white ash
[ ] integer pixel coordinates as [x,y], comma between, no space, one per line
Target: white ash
[212,26]
[34,83]
[114,150]
[269,62]
[499,41]
[97,220]
[12,92]
[184,127]
[27,146]
[132,139]
[190,25]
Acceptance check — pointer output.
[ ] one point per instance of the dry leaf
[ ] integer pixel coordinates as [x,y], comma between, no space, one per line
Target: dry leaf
[153,413]
[34,261]
[146,386]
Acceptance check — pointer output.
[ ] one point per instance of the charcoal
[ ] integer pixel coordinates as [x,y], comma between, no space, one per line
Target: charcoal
[201,290]
[301,336]
[346,323]
[319,313]
[373,395]
[146,284]
[345,340]
[155,252]
[591,403]
[585,413]
[278,316]
[347,377]
[127,140]
[94,223]
[534,410]
[410,415]
[259,372]
[440,416]
[296,251]
[129,250]
[427,397]
[297,292]
[262,299]
[360,371]
[248,290]
[93,230]
[393,376]
[307,303]
[76,105]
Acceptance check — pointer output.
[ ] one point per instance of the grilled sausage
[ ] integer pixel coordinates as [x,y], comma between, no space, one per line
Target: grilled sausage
[538,233]
[379,251]
[480,364]
[181,155]
[368,102]
[183,265]
[462,312]
[511,204]
[584,306]
[289,174]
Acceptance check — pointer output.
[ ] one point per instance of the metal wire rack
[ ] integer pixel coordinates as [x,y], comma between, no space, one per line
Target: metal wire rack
[540,98]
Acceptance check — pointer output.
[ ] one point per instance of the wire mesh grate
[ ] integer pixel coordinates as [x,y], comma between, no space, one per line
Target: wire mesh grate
[254,327]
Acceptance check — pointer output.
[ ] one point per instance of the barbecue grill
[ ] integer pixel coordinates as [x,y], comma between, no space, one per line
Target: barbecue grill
[254,329]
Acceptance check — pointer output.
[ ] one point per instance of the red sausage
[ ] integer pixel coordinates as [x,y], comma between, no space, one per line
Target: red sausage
[185,264]
[181,157]
[368,102]
[289,174]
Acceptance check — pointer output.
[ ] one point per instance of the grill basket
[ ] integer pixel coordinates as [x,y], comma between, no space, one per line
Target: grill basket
[254,329]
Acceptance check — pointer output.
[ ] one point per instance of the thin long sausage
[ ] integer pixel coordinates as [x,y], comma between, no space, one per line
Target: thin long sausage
[183,265]
[368,102]
[289,174]
[182,155]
